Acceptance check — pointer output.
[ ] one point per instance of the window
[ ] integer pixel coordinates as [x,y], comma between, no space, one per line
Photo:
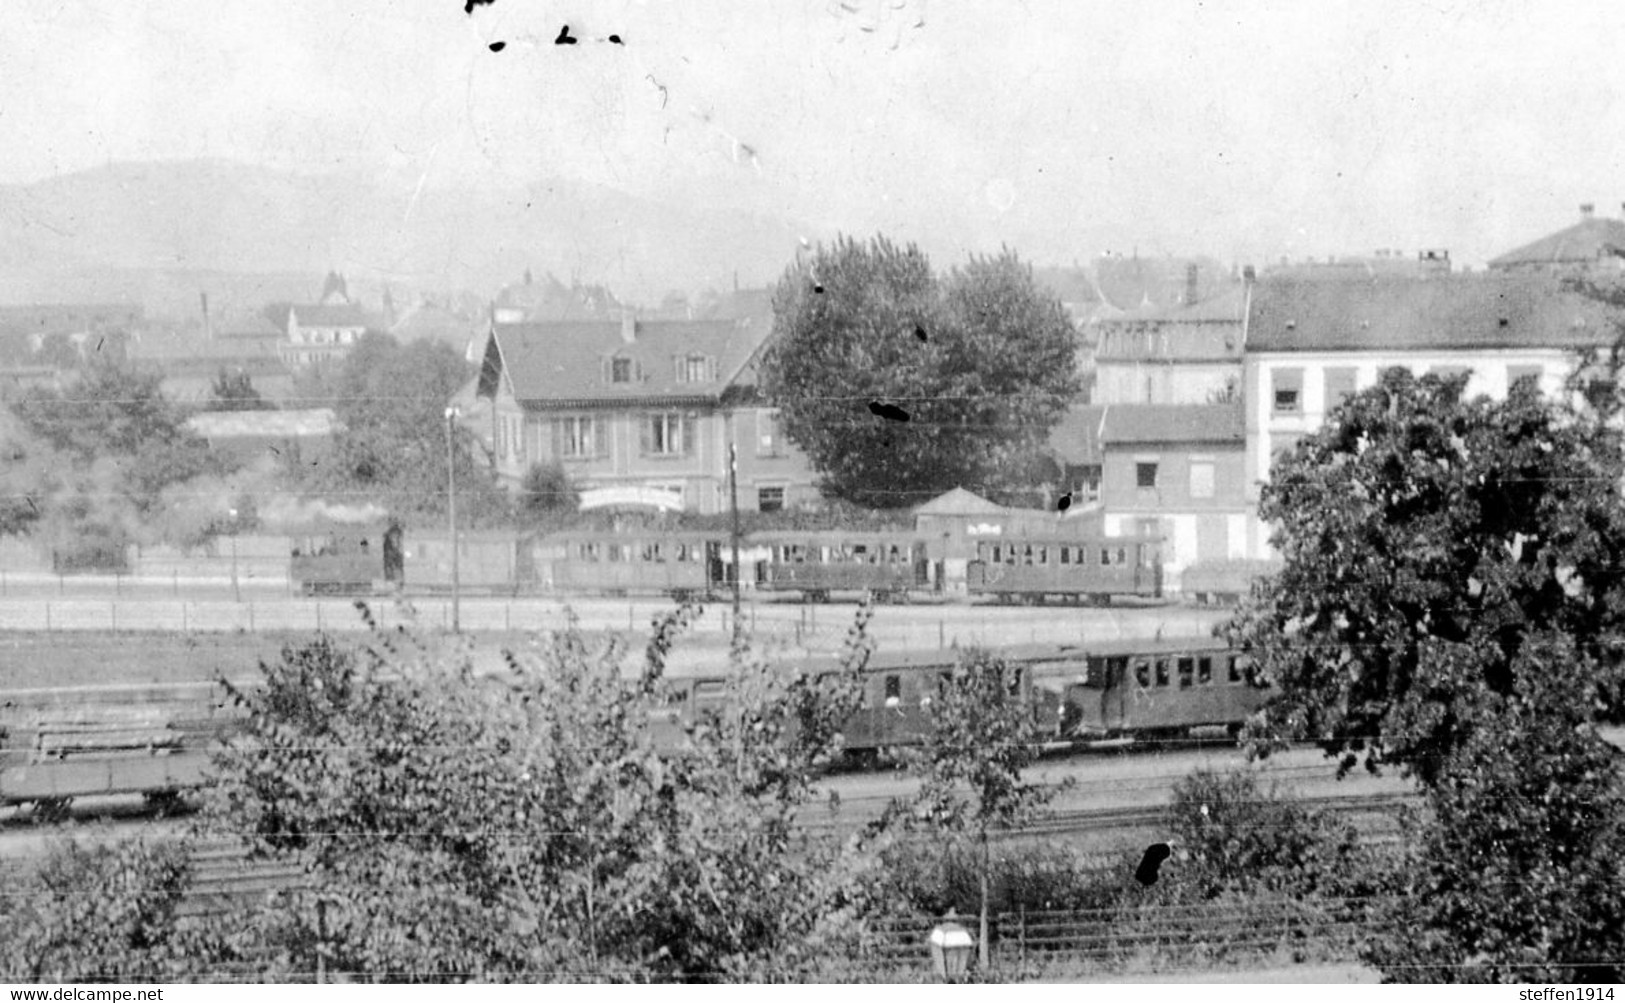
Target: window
[1287,390]
[1235,670]
[620,370]
[1145,475]
[1142,673]
[1340,382]
[894,688]
[1449,372]
[770,499]
[1201,478]
[1187,672]
[668,435]
[1162,672]
[1204,669]
[693,369]
[769,437]
[577,437]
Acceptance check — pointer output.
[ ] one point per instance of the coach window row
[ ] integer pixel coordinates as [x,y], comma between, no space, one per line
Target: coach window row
[1191,670]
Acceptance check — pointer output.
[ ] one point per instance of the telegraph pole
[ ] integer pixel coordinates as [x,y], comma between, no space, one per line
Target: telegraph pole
[733,505]
[451,515]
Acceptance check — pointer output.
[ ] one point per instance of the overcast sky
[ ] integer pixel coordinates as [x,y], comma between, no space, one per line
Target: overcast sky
[1243,130]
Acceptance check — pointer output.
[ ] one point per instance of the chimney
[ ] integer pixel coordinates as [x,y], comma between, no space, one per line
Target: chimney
[208,328]
[1586,209]
[629,327]
[1190,283]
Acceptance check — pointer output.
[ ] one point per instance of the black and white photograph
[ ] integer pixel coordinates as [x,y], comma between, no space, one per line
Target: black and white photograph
[812,491]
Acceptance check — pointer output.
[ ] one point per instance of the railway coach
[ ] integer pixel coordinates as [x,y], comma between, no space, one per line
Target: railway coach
[1070,569]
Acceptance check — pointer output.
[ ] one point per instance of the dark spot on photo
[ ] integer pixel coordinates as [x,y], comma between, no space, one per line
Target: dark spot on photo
[817,288]
[1151,863]
[498,46]
[919,333]
[890,412]
[468,8]
[616,39]
[565,38]
[1065,502]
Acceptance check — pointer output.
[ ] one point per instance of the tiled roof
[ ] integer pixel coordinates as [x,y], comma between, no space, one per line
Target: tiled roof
[558,363]
[1126,423]
[1474,311]
[1589,240]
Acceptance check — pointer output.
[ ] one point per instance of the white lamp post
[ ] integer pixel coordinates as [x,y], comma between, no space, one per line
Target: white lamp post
[452,414]
[236,589]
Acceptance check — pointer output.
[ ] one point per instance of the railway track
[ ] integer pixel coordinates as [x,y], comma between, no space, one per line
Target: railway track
[224,878]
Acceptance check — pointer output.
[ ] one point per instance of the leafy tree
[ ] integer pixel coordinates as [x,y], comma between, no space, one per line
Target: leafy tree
[1450,602]
[1517,877]
[1416,516]
[236,392]
[547,489]
[391,403]
[98,914]
[540,825]
[983,733]
[980,360]
[111,409]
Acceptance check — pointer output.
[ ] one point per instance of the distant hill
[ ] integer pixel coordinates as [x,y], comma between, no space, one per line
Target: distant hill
[160,232]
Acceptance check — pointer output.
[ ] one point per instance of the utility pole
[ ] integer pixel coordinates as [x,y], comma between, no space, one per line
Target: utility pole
[733,505]
[451,514]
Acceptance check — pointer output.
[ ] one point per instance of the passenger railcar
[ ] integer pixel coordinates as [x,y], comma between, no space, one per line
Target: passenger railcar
[889,566]
[1069,569]
[680,565]
[1079,694]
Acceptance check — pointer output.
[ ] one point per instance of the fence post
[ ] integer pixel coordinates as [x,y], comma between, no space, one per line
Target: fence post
[176,583]
[112,609]
[942,629]
[251,618]
[1021,934]
[507,617]
[318,614]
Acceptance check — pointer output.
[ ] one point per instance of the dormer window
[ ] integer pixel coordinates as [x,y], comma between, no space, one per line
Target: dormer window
[620,370]
[694,369]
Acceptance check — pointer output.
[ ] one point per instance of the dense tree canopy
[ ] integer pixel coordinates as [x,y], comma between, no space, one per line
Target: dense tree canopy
[901,384]
[391,402]
[97,461]
[1416,517]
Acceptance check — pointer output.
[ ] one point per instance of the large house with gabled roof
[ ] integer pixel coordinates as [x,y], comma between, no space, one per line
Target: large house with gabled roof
[639,413]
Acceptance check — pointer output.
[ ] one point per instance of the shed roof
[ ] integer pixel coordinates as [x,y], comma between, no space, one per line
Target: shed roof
[960,502]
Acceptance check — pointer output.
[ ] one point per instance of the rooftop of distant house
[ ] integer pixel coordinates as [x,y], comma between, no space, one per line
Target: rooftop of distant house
[606,362]
[1593,239]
